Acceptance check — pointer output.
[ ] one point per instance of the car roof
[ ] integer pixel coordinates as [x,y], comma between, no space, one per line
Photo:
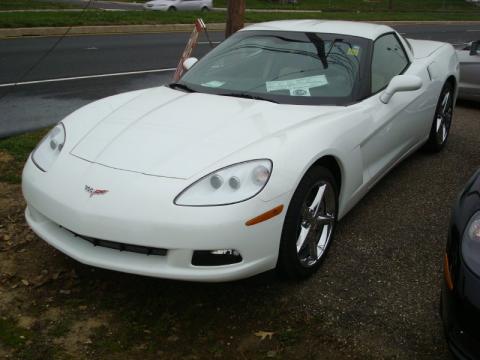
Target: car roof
[352,28]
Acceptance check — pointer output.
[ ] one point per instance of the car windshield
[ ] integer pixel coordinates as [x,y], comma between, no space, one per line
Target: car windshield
[285,67]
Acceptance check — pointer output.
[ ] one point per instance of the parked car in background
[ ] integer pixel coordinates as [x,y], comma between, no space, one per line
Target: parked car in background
[247,162]
[460,300]
[181,5]
[469,57]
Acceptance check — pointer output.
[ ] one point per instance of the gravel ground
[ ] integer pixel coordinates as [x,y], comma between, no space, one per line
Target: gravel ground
[376,295]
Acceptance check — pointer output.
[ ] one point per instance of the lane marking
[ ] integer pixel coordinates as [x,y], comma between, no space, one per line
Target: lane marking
[88,77]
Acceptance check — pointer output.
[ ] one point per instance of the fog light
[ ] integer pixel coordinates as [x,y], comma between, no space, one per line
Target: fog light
[216,257]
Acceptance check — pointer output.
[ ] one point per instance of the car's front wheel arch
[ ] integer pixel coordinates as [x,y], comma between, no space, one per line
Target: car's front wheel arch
[323,176]
[333,164]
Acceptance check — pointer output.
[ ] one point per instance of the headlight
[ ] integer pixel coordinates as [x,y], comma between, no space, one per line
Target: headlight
[471,243]
[49,148]
[229,185]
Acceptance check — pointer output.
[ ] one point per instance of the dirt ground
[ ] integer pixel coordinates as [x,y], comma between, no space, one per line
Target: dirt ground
[376,295]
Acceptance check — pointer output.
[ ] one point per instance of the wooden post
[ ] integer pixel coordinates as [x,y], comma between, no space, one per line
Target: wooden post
[235,16]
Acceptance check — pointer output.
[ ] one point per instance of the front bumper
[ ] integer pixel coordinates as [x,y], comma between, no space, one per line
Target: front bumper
[139,210]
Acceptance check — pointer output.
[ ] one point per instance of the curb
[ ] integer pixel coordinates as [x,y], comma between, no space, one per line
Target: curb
[99,30]
[160,28]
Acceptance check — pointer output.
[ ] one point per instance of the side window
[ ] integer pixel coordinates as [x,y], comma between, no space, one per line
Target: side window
[389,59]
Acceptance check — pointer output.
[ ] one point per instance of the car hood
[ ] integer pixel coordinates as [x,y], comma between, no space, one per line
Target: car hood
[169,133]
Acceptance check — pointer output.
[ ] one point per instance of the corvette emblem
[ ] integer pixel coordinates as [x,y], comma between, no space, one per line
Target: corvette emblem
[93,191]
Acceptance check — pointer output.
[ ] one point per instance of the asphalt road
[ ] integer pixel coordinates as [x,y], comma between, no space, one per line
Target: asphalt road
[26,107]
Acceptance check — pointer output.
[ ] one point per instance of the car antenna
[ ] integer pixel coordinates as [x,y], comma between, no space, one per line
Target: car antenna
[205,30]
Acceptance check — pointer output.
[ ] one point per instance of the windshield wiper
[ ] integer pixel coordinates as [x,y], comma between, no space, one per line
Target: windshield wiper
[249,96]
[177,85]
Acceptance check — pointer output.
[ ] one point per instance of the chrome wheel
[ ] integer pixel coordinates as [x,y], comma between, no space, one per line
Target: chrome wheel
[443,118]
[317,220]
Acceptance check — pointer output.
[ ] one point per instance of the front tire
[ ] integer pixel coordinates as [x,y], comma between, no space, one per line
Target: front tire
[172,8]
[442,120]
[309,225]
[205,9]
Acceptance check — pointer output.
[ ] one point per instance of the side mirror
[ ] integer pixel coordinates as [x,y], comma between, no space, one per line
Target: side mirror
[188,63]
[401,83]
[474,48]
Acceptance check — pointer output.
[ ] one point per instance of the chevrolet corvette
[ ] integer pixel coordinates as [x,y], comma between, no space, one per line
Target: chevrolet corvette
[247,162]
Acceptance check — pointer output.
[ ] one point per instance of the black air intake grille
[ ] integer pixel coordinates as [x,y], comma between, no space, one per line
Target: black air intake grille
[146,250]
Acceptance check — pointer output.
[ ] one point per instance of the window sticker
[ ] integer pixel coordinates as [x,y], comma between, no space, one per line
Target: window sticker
[300,92]
[298,87]
[214,84]
[353,51]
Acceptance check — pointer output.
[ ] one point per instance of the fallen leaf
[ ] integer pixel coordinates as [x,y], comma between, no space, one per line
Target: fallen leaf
[271,354]
[172,338]
[264,334]
[56,275]
[25,282]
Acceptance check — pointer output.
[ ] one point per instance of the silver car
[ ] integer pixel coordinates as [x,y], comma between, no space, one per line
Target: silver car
[469,57]
[173,5]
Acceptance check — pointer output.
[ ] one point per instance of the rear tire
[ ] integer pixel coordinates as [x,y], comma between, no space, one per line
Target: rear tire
[442,120]
[172,8]
[309,225]
[205,9]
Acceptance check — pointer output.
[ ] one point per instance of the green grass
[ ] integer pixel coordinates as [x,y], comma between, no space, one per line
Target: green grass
[361,5]
[32,4]
[60,328]
[94,17]
[14,152]
[11,335]
[36,19]
[27,344]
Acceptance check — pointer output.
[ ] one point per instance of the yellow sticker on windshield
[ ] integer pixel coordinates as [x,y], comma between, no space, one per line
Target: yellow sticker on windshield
[353,51]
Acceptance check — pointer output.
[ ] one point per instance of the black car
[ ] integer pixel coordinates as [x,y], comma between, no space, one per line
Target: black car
[460,300]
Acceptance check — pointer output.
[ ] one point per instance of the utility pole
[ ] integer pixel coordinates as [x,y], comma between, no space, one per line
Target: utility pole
[235,16]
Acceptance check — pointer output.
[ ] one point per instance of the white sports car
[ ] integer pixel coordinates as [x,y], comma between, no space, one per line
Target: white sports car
[247,162]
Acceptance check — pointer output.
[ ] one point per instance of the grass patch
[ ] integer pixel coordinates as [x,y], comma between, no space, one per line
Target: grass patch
[94,17]
[32,4]
[14,151]
[360,5]
[352,5]
[11,335]
[27,344]
[60,328]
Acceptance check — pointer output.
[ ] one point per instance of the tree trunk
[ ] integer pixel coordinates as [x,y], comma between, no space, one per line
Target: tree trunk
[235,16]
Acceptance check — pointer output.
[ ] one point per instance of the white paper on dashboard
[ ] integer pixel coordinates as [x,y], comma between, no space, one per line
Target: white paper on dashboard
[298,87]
[214,84]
